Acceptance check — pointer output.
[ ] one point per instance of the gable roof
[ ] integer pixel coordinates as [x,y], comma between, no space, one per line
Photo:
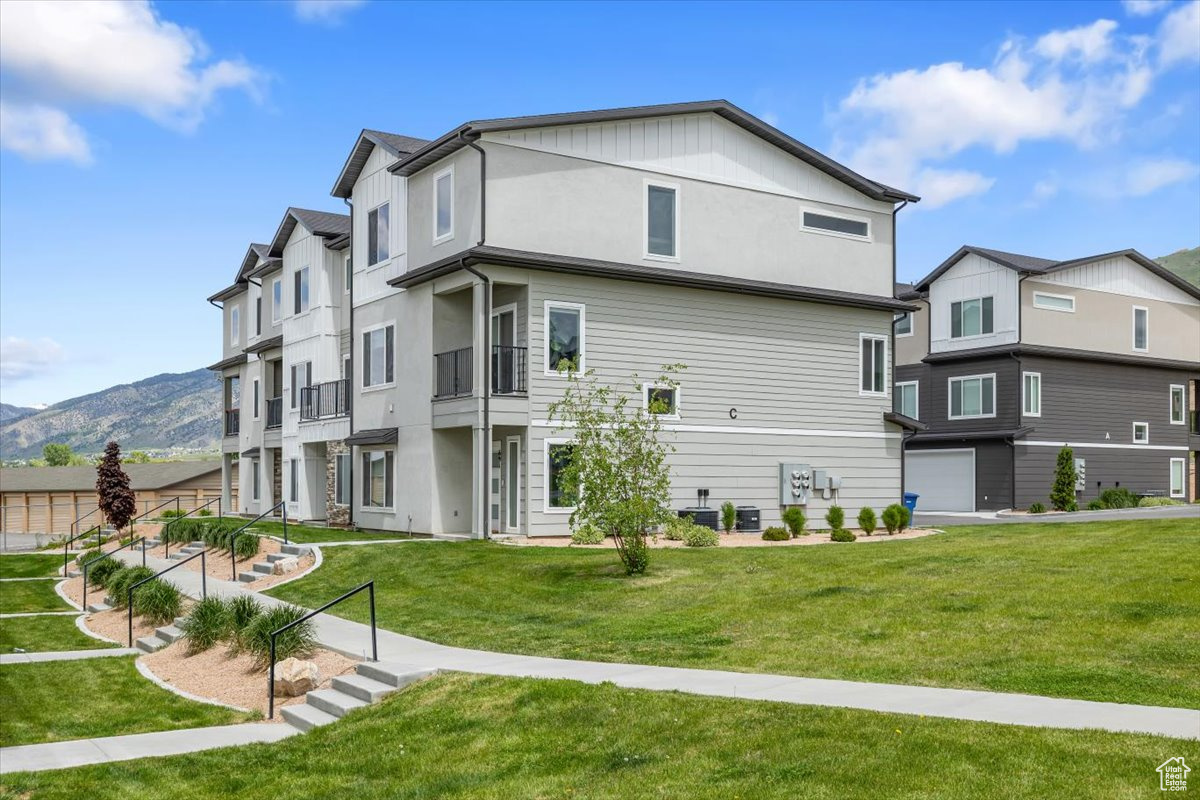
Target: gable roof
[368,140]
[1030,265]
[319,223]
[458,138]
[67,479]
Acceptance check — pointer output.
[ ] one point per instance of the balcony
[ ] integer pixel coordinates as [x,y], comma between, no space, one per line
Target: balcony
[510,369]
[325,400]
[275,413]
[453,372]
[233,421]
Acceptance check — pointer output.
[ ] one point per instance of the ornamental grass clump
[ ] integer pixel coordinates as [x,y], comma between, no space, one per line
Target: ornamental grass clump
[100,570]
[243,611]
[157,602]
[299,640]
[793,518]
[246,545]
[208,623]
[121,580]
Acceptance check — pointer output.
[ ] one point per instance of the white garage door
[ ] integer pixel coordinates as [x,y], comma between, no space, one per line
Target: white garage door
[945,479]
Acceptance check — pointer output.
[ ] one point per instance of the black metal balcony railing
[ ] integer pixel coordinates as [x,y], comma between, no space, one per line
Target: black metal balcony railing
[233,419]
[453,371]
[329,399]
[509,369]
[275,412]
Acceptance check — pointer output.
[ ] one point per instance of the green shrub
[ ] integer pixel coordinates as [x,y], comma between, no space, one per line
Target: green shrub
[776,534]
[1095,505]
[1037,508]
[1062,492]
[247,545]
[841,535]
[895,518]
[675,527]
[1150,502]
[243,610]
[866,520]
[836,518]
[157,602]
[120,581]
[98,572]
[299,641]
[171,513]
[701,536]
[1118,498]
[204,512]
[793,518]
[728,516]
[587,534]
[207,624]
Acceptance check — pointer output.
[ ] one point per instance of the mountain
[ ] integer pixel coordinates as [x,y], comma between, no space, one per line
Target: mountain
[13,413]
[1184,263]
[168,410]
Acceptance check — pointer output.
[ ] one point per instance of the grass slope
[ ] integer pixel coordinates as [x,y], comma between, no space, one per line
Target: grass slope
[44,635]
[29,565]
[1109,611]
[63,700]
[486,738]
[21,596]
[309,534]
[1184,263]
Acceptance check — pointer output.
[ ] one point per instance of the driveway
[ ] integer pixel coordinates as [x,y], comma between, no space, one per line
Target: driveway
[945,519]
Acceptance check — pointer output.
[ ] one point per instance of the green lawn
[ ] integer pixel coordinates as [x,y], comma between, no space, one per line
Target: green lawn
[44,634]
[308,534]
[29,565]
[63,700]
[486,738]
[21,596]
[1109,611]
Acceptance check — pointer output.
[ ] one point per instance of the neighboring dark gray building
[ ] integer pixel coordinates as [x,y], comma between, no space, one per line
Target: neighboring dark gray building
[1012,357]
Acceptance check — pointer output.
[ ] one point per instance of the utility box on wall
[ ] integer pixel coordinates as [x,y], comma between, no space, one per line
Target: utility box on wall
[795,484]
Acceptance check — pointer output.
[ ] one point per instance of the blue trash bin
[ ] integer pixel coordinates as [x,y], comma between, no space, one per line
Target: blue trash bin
[910,502]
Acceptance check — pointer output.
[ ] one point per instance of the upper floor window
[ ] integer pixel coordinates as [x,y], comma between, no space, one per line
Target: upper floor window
[349,280]
[1178,405]
[1141,433]
[849,227]
[564,335]
[377,235]
[907,400]
[254,409]
[903,323]
[235,324]
[662,401]
[872,364]
[443,205]
[300,279]
[276,299]
[662,221]
[973,396]
[1054,302]
[258,316]
[378,356]
[1031,394]
[971,317]
[1141,328]
[301,378]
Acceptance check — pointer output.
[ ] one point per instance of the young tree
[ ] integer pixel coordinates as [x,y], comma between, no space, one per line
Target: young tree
[138,457]
[57,455]
[1062,493]
[617,468]
[116,499]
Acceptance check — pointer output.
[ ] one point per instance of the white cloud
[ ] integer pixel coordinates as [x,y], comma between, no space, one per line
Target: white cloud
[326,12]
[1089,43]
[1042,191]
[937,187]
[1179,35]
[1148,176]
[1144,8]
[40,133]
[25,358]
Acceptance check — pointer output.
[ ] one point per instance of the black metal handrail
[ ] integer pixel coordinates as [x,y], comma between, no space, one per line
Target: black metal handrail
[453,373]
[233,420]
[162,534]
[369,586]
[109,554]
[164,503]
[67,543]
[275,412]
[329,399]
[509,369]
[71,531]
[280,506]
[203,585]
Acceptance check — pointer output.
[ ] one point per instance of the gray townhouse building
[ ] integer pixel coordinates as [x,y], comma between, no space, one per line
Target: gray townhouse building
[1011,357]
[467,268]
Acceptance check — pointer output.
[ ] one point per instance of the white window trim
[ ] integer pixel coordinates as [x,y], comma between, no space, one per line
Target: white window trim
[367,478]
[445,237]
[1070,297]
[1135,439]
[912,324]
[1133,330]
[1182,406]
[838,215]
[348,274]
[549,304]
[235,325]
[381,261]
[950,397]
[1171,477]
[375,387]
[646,387]
[1025,412]
[886,365]
[916,395]
[646,254]
[546,507]
[296,299]
[968,336]
[276,308]
[255,397]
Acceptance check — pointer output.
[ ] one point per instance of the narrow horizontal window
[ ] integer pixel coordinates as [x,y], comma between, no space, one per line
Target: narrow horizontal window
[1054,302]
[903,323]
[842,225]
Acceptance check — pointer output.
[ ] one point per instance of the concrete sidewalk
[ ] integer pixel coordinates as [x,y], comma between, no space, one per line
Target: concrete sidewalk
[943,519]
[354,639]
[67,655]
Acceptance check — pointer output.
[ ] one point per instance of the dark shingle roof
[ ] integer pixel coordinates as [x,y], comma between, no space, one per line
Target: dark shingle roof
[66,479]
[320,223]
[399,146]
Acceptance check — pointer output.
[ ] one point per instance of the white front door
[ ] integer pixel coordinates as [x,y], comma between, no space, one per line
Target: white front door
[497,477]
[512,484]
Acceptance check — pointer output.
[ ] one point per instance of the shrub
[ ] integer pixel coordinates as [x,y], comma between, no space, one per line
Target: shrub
[1037,508]
[299,641]
[1149,502]
[675,527]
[207,624]
[1095,505]
[895,518]
[243,610]
[246,545]
[1118,498]
[775,534]
[587,534]
[204,512]
[1062,493]
[836,518]
[171,513]
[728,516]
[841,535]
[793,518]
[99,571]
[120,581]
[157,602]
[701,536]
[866,520]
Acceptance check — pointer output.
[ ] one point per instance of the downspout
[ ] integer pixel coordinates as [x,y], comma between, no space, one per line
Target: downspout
[486,460]
[350,372]
[892,344]
[1012,443]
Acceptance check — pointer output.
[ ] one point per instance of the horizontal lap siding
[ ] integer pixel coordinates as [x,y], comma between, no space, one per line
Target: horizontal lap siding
[993,470]
[1138,471]
[935,394]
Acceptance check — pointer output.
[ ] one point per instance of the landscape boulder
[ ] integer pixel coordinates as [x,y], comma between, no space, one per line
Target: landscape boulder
[294,677]
[285,565]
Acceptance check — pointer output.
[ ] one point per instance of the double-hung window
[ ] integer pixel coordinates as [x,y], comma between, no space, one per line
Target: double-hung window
[973,396]
[559,496]
[872,364]
[971,317]
[235,324]
[377,467]
[276,299]
[1031,394]
[662,221]
[903,323]
[301,378]
[907,400]
[564,329]
[378,356]
[1141,329]
[300,286]
[443,205]
[1178,468]
[1178,405]
[377,236]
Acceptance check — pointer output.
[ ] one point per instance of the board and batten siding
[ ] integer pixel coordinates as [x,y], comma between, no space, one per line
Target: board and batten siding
[973,276]
[374,187]
[790,370]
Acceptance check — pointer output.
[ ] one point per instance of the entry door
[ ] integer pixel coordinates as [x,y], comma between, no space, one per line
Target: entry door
[504,334]
[497,476]
[512,484]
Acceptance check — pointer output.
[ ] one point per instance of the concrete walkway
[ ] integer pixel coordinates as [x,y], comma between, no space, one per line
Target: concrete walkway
[354,639]
[41,614]
[67,655]
[945,519]
[78,752]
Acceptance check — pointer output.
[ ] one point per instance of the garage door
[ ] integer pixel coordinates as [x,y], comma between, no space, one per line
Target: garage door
[945,479]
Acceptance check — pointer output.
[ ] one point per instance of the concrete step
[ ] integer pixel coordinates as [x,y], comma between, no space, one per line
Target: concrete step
[331,701]
[96,608]
[273,557]
[169,633]
[393,673]
[295,549]
[151,644]
[249,577]
[366,689]
[179,622]
[152,543]
[73,573]
[306,717]
[178,555]
[191,551]
[264,568]
[196,544]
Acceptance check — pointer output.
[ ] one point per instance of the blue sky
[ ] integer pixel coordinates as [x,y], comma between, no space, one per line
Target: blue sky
[142,147]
